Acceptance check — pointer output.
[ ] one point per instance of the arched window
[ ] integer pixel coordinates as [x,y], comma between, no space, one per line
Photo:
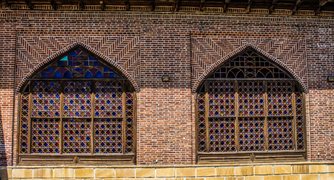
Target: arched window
[77,109]
[250,109]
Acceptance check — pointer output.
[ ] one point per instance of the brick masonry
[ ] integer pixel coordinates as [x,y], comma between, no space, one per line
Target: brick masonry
[145,46]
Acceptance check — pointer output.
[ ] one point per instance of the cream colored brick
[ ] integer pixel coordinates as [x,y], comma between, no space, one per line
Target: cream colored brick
[104,173]
[205,172]
[263,170]
[84,173]
[326,176]
[272,177]
[185,172]
[300,169]
[22,173]
[125,173]
[63,173]
[291,177]
[244,171]
[194,179]
[282,169]
[309,176]
[318,168]
[214,178]
[43,173]
[331,168]
[137,179]
[151,179]
[114,179]
[148,172]
[165,172]
[234,178]
[225,171]
[254,178]
[174,178]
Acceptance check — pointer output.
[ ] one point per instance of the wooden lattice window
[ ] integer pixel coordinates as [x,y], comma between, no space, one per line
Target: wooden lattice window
[77,109]
[250,109]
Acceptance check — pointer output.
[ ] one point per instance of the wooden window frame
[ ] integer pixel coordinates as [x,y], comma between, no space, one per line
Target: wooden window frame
[78,158]
[249,156]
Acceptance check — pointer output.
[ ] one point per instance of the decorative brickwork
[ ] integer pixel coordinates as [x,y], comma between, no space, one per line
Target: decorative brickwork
[187,47]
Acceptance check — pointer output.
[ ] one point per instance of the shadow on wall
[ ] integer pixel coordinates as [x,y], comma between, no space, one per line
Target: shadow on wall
[3,159]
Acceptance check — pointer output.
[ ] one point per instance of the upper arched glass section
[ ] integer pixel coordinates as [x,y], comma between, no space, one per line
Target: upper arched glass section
[77,64]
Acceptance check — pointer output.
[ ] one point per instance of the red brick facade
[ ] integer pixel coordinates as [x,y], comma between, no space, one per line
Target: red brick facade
[185,46]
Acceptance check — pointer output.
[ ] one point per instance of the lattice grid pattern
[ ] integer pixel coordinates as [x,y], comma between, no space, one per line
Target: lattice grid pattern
[45,136]
[77,135]
[300,122]
[77,99]
[280,133]
[46,99]
[201,123]
[280,98]
[222,134]
[108,99]
[108,136]
[251,100]
[256,97]
[251,134]
[129,107]
[221,98]
[249,65]
[24,132]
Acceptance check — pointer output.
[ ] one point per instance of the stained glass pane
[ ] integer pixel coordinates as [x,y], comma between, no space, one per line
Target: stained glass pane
[300,122]
[77,99]
[222,134]
[45,136]
[76,135]
[24,132]
[46,99]
[279,98]
[201,123]
[280,133]
[129,129]
[77,64]
[221,98]
[108,99]
[108,136]
[251,99]
[251,134]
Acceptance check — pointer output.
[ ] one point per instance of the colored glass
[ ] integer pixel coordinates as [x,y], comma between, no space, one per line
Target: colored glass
[280,133]
[45,135]
[300,122]
[108,99]
[129,128]
[222,134]
[24,132]
[77,135]
[251,134]
[201,123]
[279,98]
[108,136]
[251,98]
[221,98]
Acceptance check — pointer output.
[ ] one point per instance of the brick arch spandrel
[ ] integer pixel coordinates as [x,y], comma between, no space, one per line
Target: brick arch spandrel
[88,48]
[238,50]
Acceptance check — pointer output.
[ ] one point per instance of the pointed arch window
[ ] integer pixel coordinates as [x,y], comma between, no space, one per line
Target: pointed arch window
[78,108]
[250,109]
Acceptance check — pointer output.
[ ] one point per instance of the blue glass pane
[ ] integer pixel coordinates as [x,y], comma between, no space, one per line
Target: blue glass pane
[67,74]
[57,75]
[88,75]
[98,74]
[64,58]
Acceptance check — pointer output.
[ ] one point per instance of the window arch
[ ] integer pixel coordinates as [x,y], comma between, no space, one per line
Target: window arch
[250,109]
[79,108]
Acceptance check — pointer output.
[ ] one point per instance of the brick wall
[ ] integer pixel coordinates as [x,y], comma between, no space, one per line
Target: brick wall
[187,47]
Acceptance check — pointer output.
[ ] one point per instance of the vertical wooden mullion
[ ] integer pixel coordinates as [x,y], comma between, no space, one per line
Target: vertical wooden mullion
[304,123]
[207,115]
[92,116]
[123,116]
[61,116]
[236,127]
[30,112]
[134,123]
[19,116]
[266,115]
[294,116]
